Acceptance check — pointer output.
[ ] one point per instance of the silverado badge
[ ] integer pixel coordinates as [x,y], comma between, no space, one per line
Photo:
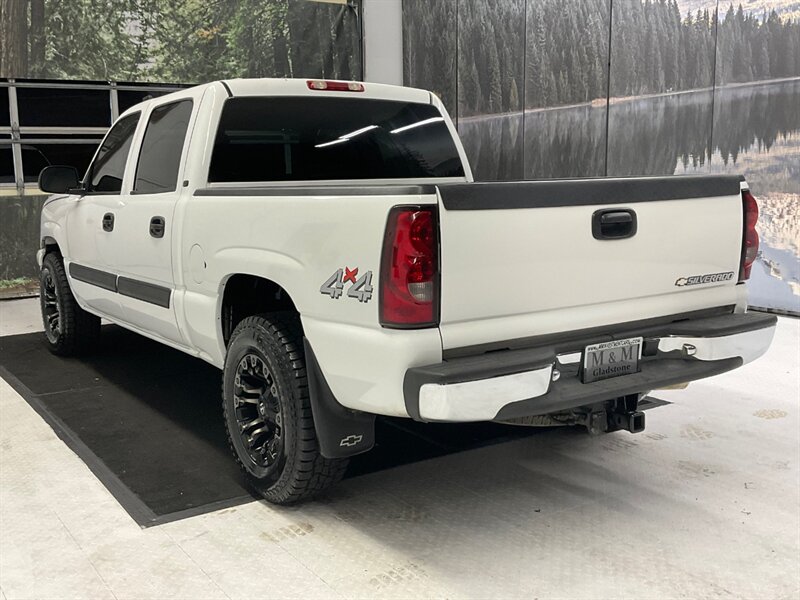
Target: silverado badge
[709,278]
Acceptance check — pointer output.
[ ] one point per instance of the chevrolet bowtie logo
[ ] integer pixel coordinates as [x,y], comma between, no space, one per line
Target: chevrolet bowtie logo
[351,440]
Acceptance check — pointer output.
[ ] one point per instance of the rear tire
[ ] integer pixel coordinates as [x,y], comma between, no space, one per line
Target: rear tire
[267,411]
[69,329]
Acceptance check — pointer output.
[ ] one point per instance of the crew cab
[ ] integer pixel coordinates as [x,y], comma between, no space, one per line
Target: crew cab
[323,244]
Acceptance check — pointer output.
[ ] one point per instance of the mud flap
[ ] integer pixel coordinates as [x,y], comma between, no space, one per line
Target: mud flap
[341,432]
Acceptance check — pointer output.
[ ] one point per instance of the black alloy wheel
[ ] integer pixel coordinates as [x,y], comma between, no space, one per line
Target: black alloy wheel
[258,412]
[51,312]
[69,329]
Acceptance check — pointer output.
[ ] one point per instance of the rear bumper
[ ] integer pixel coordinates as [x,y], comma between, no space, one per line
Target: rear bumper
[516,383]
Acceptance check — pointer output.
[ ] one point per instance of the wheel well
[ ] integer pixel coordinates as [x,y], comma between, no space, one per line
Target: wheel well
[247,295]
[50,245]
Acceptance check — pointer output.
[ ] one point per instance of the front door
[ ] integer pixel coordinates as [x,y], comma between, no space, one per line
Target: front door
[91,222]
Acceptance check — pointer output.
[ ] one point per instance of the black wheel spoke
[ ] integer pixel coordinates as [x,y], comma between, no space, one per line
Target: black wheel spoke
[249,388]
[257,410]
[244,399]
[245,425]
[273,449]
[260,431]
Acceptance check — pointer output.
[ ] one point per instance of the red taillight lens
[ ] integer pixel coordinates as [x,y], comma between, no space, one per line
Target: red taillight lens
[750,236]
[409,287]
[335,86]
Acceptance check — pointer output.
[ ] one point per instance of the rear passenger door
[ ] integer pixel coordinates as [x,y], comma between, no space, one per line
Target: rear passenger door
[145,226]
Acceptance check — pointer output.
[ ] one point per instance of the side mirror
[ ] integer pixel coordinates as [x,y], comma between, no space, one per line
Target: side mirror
[58,179]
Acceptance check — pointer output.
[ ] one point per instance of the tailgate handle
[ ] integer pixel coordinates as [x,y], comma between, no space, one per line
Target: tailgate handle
[613,224]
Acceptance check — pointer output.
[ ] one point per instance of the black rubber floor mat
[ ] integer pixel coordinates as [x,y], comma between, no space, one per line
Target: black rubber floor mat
[147,421]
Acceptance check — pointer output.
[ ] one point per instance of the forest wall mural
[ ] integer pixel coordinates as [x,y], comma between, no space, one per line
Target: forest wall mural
[693,86]
[179,41]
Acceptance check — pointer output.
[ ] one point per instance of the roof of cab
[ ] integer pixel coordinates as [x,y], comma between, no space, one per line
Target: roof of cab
[299,87]
[292,87]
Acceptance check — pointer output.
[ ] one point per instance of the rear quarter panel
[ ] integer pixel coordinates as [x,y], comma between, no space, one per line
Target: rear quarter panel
[299,242]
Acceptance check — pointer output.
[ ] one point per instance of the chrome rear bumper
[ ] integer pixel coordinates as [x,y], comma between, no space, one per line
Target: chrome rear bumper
[544,379]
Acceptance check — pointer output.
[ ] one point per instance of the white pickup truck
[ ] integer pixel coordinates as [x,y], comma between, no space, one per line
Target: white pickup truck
[322,243]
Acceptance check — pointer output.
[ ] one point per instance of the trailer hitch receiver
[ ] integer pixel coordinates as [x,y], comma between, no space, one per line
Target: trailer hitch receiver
[629,421]
[623,414]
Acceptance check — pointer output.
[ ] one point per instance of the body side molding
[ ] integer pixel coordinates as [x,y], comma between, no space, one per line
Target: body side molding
[133,288]
[146,292]
[96,277]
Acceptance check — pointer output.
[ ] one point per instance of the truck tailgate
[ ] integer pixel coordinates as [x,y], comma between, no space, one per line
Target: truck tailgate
[527,258]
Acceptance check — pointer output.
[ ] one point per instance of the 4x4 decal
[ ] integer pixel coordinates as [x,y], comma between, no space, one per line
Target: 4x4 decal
[360,287]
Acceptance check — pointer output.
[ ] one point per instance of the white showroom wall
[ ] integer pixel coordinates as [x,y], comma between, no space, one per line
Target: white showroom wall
[383,41]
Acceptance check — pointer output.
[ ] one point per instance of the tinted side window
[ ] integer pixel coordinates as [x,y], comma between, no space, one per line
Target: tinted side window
[160,155]
[105,174]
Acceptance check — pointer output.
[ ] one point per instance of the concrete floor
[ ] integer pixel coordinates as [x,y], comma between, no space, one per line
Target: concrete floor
[704,503]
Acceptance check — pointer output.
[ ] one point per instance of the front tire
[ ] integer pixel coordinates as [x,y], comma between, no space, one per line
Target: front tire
[268,412]
[69,329]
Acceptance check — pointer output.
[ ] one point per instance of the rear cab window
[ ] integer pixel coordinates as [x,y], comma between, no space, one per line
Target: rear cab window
[286,138]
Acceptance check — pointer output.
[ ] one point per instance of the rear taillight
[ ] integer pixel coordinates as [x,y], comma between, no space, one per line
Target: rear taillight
[409,285]
[335,86]
[750,236]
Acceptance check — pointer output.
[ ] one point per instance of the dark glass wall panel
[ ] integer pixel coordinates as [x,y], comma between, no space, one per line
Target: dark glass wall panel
[36,156]
[662,75]
[63,107]
[491,49]
[566,83]
[5,119]
[429,48]
[6,162]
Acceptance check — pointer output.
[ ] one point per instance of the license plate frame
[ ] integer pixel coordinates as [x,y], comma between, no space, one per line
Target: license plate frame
[605,360]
